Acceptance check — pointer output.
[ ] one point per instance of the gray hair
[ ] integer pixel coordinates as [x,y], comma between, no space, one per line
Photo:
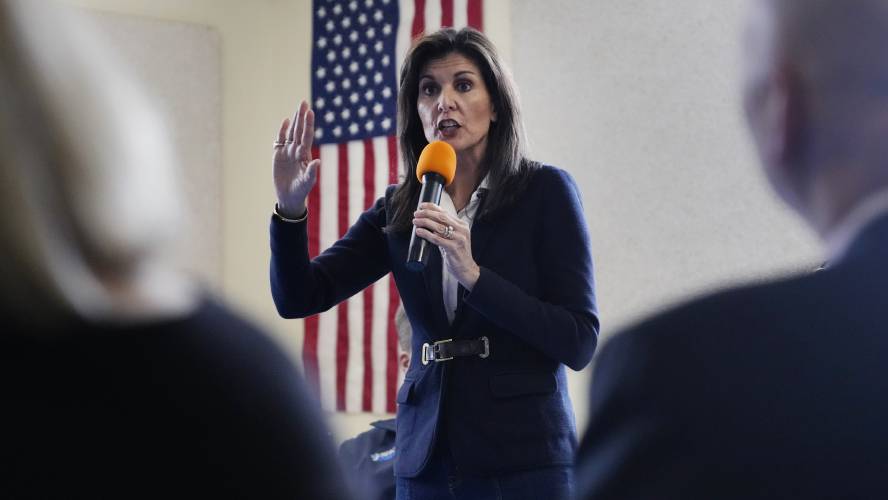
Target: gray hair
[88,193]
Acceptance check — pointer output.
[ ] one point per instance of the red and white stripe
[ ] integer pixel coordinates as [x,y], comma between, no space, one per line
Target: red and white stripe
[350,352]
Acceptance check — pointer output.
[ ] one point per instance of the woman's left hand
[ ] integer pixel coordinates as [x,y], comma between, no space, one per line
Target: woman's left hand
[453,237]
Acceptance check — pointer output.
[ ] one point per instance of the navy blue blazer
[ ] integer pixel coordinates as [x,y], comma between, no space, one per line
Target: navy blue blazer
[534,300]
[769,391]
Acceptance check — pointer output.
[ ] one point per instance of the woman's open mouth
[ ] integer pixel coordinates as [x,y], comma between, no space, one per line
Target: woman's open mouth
[448,127]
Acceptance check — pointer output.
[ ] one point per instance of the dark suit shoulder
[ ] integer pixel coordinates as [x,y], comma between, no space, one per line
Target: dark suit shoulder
[736,308]
[736,330]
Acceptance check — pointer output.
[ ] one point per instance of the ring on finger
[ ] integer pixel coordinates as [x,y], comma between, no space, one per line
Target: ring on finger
[279,144]
[447,233]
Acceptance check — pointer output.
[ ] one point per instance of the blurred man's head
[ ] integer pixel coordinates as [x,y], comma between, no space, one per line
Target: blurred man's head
[405,332]
[816,99]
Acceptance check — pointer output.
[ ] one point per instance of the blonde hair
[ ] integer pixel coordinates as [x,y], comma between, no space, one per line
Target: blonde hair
[88,193]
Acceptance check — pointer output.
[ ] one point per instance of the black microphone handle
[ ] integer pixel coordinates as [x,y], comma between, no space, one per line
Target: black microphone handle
[418,252]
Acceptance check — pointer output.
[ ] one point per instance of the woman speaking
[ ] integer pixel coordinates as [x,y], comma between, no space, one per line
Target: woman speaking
[506,298]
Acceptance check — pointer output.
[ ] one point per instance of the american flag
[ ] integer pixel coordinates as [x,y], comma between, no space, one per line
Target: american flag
[350,352]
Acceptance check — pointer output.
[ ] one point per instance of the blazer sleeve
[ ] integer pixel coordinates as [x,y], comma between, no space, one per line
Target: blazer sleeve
[301,286]
[563,321]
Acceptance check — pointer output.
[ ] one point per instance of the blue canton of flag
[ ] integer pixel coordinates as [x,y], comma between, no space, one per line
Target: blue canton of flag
[354,81]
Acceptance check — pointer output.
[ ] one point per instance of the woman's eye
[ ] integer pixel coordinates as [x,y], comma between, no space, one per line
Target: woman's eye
[428,89]
[464,86]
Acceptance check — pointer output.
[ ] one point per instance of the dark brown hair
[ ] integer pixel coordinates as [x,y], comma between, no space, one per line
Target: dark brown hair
[507,168]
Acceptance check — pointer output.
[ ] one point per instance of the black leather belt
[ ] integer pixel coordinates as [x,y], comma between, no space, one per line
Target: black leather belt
[444,350]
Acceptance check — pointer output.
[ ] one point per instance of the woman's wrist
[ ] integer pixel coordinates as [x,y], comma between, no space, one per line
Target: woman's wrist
[472,278]
[291,211]
[284,216]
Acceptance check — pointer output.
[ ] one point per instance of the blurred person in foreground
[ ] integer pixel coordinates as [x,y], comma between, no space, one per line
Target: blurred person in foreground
[369,457]
[120,377]
[774,390]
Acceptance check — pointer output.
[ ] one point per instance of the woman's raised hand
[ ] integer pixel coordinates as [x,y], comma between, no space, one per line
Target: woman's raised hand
[295,172]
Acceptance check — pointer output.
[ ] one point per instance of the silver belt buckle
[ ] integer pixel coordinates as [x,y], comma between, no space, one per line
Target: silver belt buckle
[428,352]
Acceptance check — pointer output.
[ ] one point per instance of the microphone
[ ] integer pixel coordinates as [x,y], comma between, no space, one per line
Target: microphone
[435,169]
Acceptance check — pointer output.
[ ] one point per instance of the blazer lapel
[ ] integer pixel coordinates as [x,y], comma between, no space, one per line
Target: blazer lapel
[481,233]
[481,228]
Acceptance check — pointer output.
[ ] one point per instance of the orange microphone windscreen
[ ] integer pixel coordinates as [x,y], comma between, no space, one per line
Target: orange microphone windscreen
[437,157]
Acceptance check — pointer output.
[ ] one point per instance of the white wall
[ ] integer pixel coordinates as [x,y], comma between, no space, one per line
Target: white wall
[640,101]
